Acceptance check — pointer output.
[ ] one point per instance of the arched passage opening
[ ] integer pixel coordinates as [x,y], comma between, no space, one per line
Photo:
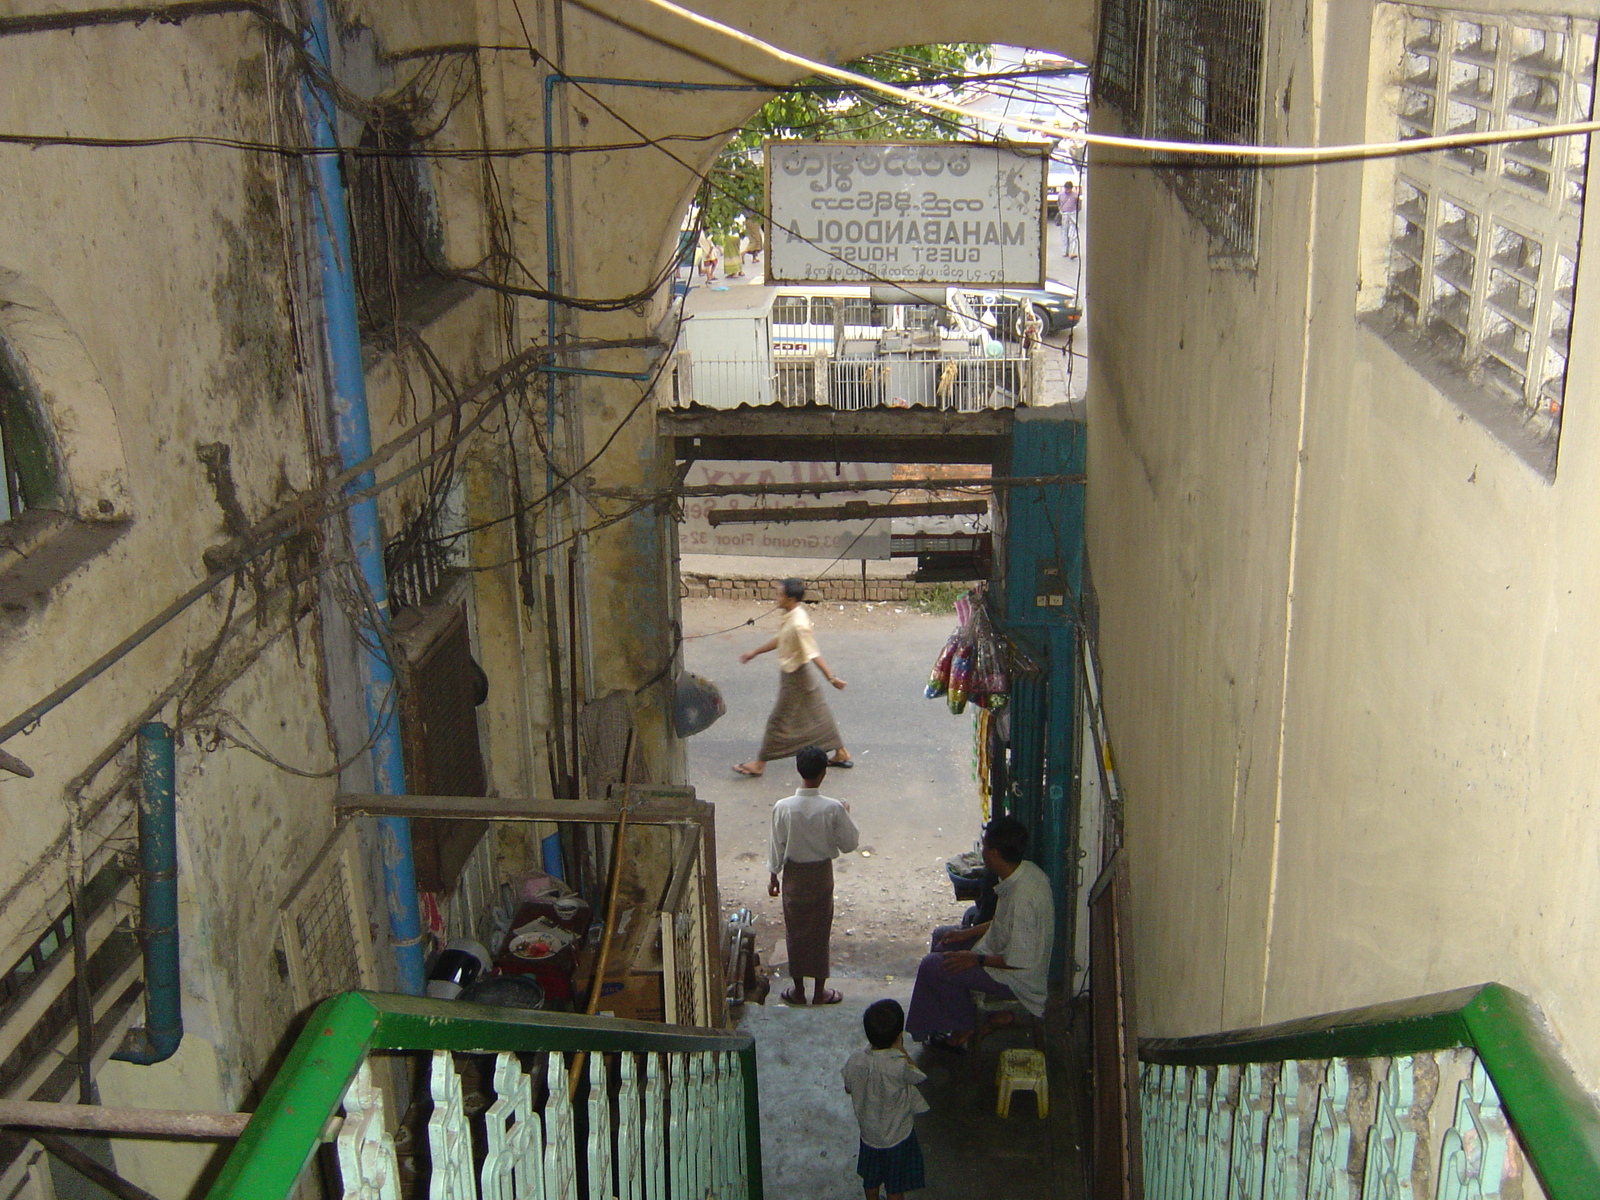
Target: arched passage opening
[912,740]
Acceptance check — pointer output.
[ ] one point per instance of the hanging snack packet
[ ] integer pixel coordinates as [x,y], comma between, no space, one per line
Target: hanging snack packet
[939,678]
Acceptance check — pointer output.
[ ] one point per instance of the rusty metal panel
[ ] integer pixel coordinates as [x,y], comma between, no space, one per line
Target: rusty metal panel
[1117,1167]
[439,733]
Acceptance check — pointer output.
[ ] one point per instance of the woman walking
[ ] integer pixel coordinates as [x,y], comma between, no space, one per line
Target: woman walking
[801,717]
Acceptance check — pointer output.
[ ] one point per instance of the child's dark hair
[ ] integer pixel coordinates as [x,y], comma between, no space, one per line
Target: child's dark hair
[884,1021]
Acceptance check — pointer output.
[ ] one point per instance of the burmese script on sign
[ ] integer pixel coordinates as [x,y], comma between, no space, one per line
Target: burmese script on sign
[788,539]
[912,212]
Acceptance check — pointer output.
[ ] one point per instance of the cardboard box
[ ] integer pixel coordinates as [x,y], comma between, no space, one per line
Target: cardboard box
[634,997]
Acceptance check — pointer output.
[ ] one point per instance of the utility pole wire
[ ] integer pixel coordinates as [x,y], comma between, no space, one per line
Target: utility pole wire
[319,504]
[1349,152]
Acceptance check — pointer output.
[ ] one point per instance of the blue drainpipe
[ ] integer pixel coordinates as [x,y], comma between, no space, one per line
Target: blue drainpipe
[331,220]
[158,864]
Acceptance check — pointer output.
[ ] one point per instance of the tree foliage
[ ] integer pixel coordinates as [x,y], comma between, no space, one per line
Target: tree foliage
[827,110]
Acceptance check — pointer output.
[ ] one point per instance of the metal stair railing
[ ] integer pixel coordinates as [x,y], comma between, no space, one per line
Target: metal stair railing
[583,1107]
[1461,1095]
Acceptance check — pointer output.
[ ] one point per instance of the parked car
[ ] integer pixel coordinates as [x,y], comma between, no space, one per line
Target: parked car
[1056,305]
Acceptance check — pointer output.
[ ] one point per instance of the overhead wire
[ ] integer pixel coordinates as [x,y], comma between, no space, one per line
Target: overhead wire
[1300,154]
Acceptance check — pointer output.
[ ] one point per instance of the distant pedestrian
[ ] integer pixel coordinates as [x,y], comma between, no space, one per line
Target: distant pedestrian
[882,1083]
[755,241]
[1068,203]
[800,717]
[809,830]
[732,256]
[708,255]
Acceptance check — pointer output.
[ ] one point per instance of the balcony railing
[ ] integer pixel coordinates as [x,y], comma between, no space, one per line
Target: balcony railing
[585,1107]
[1458,1096]
[912,380]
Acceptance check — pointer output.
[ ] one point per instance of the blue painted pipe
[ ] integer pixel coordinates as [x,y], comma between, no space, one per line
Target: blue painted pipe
[158,864]
[331,221]
[550,850]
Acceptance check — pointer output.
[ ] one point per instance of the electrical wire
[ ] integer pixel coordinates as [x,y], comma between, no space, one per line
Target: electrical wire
[317,505]
[39,141]
[695,637]
[1300,154]
[646,391]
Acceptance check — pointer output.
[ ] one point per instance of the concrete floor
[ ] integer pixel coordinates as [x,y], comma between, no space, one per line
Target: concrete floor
[808,1129]
[809,1135]
[911,791]
[914,799]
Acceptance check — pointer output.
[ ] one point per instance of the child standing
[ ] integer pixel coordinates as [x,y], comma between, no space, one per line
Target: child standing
[882,1082]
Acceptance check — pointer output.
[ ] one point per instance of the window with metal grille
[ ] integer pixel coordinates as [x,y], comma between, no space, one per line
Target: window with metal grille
[1206,87]
[1483,246]
[791,310]
[1119,61]
[394,222]
[27,459]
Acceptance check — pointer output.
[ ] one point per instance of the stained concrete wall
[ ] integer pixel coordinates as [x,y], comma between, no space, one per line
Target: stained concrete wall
[617,217]
[180,275]
[160,298]
[1347,664]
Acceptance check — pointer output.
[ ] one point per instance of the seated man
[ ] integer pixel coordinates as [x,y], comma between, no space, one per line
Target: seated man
[1011,957]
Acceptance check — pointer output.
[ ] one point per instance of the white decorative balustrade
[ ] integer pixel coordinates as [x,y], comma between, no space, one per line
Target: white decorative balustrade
[681,1135]
[509,1105]
[1426,1126]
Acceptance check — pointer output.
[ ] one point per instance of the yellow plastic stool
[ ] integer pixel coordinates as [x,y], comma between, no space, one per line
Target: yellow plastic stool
[1022,1071]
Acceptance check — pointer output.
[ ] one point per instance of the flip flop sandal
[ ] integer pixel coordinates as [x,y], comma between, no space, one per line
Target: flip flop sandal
[941,1041]
[741,769]
[789,996]
[830,997]
[842,763]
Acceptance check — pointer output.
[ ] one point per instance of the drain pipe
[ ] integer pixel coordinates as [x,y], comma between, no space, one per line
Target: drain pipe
[331,221]
[158,866]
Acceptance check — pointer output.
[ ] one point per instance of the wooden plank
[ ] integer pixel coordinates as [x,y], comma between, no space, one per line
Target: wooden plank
[653,806]
[942,448]
[822,423]
[846,512]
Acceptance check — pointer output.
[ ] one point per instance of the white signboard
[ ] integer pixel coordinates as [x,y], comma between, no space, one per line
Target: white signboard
[910,212]
[787,539]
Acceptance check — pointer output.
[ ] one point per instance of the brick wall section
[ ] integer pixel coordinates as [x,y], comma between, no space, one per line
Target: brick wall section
[722,587]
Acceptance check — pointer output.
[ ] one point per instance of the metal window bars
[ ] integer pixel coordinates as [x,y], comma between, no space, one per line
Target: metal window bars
[961,384]
[394,220]
[1119,75]
[1206,83]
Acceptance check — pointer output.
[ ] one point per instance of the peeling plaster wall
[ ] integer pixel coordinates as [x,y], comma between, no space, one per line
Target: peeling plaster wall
[1432,819]
[176,273]
[155,291]
[166,269]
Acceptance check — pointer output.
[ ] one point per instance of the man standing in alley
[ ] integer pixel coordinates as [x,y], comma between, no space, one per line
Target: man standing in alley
[1067,203]
[1009,956]
[800,717]
[809,830]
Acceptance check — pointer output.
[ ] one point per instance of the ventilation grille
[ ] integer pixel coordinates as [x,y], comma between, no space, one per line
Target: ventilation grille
[325,926]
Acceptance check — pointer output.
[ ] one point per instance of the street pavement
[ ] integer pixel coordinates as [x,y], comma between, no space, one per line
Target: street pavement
[912,790]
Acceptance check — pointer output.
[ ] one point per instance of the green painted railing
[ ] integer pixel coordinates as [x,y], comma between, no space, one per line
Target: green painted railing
[659,1109]
[1453,1096]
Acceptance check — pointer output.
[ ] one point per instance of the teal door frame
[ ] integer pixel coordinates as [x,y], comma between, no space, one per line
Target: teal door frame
[1041,551]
